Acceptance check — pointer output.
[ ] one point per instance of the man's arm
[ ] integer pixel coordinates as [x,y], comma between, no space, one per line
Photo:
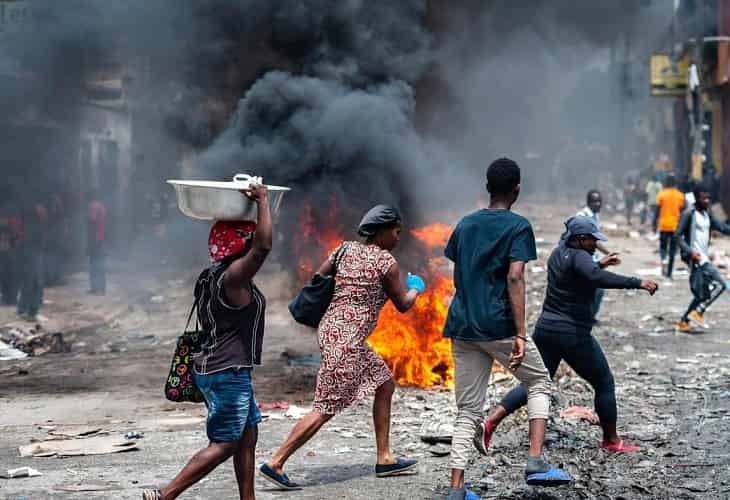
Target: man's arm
[516,291]
[682,229]
[585,267]
[716,225]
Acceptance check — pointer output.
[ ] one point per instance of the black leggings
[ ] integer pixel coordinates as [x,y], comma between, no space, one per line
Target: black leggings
[584,355]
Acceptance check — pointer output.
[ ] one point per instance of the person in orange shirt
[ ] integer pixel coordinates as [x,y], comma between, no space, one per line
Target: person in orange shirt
[671,203]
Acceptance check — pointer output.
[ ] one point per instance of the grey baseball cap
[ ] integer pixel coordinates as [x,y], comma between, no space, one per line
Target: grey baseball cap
[579,225]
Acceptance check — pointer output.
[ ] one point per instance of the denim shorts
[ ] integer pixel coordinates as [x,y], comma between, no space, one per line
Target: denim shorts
[231,403]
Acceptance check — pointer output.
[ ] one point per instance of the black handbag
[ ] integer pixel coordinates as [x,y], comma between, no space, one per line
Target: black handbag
[699,283]
[310,304]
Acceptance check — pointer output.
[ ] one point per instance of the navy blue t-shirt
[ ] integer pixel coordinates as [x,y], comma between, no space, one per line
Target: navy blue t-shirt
[482,247]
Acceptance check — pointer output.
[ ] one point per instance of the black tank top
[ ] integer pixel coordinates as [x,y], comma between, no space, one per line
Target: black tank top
[232,336]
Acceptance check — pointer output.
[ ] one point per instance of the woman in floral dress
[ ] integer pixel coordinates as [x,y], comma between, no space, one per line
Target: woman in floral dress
[367,275]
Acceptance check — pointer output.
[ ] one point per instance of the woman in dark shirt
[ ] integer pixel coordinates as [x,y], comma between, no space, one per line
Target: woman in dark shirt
[231,315]
[563,331]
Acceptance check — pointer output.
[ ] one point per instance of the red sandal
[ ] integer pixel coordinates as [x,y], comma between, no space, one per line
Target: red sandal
[483,436]
[620,447]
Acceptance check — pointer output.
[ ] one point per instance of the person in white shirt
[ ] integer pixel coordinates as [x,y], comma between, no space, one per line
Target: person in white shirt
[694,234]
[592,210]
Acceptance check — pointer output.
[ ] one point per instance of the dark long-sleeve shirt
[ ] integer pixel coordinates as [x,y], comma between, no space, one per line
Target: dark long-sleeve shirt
[573,278]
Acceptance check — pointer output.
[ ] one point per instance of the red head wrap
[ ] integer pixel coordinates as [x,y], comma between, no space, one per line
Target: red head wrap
[229,238]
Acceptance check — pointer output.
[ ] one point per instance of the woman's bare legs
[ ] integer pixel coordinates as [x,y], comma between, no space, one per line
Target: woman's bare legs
[381,419]
[202,463]
[305,429]
[244,462]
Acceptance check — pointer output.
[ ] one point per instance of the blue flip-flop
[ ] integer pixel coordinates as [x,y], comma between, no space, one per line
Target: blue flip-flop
[552,477]
[280,480]
[399,467]
[470,495]
[455,493]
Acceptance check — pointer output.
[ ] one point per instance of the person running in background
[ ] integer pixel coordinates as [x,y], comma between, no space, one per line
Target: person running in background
[631,195]
[653,188]
[592,210]
[670,201]
[563,331]
[57,237]
[96,233]
[694,235]
[30,260]
[11,234]
[486,323]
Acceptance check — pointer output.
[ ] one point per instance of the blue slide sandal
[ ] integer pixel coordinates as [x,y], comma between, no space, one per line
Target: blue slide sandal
[552,477]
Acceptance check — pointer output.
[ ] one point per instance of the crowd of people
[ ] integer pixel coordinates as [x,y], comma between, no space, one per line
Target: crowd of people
[35,249]
[485,323]
[682,220]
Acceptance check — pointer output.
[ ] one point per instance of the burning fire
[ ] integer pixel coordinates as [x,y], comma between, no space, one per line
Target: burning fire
[316,241]
[411,344]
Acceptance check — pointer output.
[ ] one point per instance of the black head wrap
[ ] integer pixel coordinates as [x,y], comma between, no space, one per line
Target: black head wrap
[377,217]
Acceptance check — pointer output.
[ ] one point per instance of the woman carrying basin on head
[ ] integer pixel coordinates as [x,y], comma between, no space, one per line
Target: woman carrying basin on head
[366,276]
[231,314]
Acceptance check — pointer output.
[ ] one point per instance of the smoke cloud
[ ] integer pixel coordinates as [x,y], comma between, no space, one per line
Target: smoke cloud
[351,102]
[560,86]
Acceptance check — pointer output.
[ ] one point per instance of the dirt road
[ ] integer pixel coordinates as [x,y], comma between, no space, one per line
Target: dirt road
[673,393]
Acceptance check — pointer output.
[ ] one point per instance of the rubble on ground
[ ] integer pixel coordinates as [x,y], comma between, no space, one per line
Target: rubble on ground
[34,341]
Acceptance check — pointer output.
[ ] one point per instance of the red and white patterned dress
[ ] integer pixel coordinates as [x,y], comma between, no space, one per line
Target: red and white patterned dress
[350,370]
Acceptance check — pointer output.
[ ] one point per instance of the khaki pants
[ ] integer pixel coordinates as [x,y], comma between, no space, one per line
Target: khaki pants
[473,365]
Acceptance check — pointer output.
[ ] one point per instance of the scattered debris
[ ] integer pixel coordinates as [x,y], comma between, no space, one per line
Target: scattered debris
[77,488]
[34,341]
[580,413]
[433,432]
[8,353]
[20,472]
[296,412]
[75,432]
[100,445]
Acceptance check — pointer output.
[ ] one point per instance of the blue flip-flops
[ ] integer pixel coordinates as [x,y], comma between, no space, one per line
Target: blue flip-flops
[399,467]
[280,480]
[470,495]
[461,494]
[551,477]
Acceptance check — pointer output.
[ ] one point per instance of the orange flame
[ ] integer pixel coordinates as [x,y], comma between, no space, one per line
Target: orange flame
[411,344]
[315,241]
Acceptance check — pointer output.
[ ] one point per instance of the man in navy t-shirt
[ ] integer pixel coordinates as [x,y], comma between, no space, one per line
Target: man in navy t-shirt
[486,323]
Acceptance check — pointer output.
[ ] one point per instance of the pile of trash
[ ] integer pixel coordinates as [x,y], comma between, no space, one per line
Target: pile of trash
[17,342]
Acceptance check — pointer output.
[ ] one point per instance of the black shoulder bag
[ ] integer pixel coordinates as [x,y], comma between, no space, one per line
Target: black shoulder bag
[310,304]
